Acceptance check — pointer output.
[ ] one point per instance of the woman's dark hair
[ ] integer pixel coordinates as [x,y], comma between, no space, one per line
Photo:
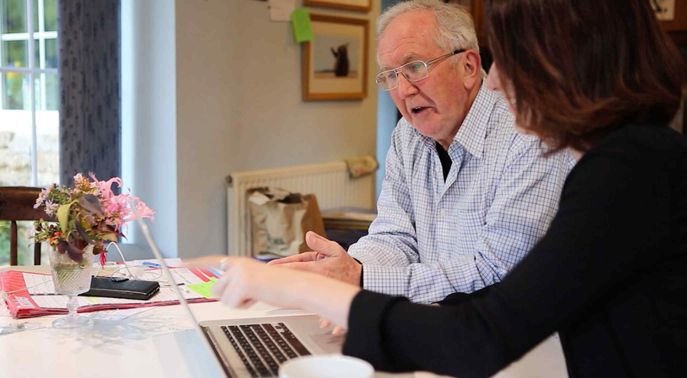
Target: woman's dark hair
[579,68]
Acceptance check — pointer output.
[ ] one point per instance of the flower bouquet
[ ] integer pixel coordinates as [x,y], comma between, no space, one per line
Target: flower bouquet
[89,215]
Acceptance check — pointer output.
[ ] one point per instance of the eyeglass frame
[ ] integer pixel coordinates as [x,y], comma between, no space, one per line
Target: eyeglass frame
[427,64]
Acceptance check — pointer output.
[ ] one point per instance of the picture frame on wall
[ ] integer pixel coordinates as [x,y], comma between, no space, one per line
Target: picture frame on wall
[334,62]
[354,5]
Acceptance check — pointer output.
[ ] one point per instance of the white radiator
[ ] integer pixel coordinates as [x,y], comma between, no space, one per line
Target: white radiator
[329,182]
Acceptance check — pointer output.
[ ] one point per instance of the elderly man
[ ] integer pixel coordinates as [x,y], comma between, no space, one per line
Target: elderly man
[464,196]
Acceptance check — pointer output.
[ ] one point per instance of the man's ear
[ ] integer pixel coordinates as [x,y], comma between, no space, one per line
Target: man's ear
[472,69]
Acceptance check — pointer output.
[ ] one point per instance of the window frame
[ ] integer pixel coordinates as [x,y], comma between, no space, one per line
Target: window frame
[34,70]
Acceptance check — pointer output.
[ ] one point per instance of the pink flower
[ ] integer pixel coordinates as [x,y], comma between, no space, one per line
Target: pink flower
[105,187]
[114,207]
[43,195]
[51,207]
[95,213]
[143,210]
[81,183]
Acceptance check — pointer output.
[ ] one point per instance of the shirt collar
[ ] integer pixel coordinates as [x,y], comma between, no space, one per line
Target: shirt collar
[473,130]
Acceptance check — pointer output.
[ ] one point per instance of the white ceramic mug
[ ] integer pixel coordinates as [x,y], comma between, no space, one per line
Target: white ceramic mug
[326,366]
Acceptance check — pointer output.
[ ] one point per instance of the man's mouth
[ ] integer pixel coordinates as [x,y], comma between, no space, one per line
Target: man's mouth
[418,109]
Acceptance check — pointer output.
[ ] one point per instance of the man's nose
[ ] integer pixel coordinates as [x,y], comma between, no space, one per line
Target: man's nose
[405,87]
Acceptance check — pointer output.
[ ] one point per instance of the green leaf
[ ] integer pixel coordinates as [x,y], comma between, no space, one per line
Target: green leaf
[111,236]
[63,216]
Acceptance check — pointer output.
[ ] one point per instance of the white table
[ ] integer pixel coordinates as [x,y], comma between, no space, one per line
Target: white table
[147,344]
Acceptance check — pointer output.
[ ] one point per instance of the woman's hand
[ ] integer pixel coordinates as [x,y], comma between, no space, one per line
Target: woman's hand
[245,281]
[336,330]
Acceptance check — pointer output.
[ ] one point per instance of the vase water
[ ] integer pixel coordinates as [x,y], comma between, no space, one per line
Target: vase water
[71,278]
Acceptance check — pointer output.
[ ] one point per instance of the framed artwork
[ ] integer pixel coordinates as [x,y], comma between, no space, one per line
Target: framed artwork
[355,5]
[664,9]
[334,62]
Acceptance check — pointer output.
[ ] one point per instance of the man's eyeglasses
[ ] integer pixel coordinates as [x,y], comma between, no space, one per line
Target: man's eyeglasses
[412,71]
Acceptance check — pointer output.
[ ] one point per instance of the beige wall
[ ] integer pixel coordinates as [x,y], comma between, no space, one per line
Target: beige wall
[239,107]
[149,141]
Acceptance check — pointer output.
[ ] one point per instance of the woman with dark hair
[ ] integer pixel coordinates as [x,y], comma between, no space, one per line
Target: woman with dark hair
[598,78]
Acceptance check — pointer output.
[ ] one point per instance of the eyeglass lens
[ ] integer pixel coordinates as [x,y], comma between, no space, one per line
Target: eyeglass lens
[412,71]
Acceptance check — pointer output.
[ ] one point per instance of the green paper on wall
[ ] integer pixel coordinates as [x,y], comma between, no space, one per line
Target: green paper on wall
[204,288]
[300,22]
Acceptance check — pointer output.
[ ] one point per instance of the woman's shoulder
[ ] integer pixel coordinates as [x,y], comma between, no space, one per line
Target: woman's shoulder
[644,144]
[636,157]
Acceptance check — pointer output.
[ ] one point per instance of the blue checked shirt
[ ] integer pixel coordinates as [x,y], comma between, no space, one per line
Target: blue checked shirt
[433,237]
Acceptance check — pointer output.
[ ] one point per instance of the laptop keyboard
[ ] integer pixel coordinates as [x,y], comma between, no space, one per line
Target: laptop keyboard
[263,347]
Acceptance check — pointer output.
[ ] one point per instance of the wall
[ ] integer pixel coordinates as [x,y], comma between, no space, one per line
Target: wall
[237,89]
[149,157]
[239,107]
[386,119]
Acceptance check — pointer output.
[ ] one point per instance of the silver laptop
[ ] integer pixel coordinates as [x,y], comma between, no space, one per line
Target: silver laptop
[251,347]
[256,347]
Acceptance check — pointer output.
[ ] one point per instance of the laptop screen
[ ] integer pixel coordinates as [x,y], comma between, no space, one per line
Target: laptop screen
[190,347]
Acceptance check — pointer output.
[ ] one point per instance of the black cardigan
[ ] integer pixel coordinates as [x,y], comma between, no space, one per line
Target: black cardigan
[610,276]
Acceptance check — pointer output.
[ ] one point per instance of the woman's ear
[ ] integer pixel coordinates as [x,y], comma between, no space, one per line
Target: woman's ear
[472,69]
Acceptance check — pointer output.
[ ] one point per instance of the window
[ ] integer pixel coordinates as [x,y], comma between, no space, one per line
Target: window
[29,98]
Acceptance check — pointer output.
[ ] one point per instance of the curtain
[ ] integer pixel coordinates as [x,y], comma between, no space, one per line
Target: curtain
[90,126]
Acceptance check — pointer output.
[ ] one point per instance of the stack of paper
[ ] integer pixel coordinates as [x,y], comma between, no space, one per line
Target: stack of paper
[32,294]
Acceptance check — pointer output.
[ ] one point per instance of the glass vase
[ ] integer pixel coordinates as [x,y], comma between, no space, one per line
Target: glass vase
[71,278]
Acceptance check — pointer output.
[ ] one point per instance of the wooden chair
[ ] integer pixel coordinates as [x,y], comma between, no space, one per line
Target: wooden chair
[16,204]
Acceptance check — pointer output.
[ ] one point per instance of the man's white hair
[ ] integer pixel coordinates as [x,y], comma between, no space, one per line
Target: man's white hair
[455,28]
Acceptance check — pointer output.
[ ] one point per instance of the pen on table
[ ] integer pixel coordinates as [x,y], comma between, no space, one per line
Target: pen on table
[155,265]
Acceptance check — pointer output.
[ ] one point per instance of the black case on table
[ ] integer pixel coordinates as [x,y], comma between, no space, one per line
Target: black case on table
[127,289]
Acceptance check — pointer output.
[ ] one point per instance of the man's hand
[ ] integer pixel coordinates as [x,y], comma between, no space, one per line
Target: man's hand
[326,258]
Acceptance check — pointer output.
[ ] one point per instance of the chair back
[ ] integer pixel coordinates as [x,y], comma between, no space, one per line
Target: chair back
[16,204]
